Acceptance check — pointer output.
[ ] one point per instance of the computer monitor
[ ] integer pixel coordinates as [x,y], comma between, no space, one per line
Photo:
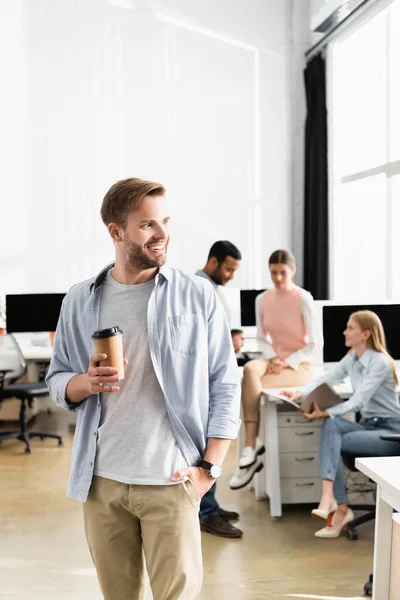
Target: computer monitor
[334,320]
[247,307]
[26,313]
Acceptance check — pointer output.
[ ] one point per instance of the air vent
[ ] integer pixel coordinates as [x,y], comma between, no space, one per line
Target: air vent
[328,23]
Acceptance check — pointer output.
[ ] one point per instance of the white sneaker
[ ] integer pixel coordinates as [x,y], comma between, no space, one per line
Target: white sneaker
[249,455]
[243,476]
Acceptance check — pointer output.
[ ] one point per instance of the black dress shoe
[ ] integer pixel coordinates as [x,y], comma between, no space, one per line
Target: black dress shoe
[217,525]
[229,515]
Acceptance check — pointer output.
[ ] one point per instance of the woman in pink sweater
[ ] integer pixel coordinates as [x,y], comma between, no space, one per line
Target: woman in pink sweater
[288,334]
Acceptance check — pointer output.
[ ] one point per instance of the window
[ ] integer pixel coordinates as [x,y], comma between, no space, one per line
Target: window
[365,160]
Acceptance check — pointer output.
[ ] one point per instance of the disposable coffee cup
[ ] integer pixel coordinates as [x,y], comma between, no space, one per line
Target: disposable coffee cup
[109,341]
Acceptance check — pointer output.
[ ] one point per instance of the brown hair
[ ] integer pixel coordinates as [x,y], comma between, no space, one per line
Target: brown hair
[282,257]
[127,195]
[369,321]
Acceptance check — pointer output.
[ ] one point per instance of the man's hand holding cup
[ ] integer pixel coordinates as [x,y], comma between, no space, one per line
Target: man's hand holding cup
[100,378]
[106,367]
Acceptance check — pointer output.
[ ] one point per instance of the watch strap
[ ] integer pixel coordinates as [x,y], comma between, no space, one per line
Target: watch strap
[205,465]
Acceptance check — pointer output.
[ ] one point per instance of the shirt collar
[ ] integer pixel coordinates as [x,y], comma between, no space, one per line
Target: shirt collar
[164,272]
[201,273]
[365,358]
[99,279]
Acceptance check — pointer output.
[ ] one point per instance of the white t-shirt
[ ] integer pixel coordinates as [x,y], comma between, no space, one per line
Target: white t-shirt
[135,443]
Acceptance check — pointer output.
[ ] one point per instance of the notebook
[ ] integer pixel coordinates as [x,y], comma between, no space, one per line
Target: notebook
[323,395]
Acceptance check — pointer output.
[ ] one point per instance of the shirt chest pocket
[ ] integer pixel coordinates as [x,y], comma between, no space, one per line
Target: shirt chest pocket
[187,332]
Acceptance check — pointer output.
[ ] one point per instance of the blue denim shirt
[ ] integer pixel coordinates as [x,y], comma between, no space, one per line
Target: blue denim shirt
[192,355]
[374,388]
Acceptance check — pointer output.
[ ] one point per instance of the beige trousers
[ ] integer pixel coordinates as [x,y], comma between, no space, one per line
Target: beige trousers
[255,378]
[126,525]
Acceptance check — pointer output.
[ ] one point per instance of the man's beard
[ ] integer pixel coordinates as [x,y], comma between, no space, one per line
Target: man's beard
[137,257]
[216,277]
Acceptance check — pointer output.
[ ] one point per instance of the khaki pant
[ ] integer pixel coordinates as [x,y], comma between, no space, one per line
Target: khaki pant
[126,524]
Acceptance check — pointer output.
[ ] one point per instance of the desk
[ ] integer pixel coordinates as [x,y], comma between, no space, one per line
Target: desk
[37,353]
[268,481]
[386,473]
[31,354]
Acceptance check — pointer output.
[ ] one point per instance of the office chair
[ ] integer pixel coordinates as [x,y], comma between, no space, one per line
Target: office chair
[369,509]
[13,360]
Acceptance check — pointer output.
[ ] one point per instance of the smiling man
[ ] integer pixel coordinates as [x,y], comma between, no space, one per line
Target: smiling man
[147,448]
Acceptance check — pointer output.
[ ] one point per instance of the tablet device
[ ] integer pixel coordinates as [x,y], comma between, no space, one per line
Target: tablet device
[324,396]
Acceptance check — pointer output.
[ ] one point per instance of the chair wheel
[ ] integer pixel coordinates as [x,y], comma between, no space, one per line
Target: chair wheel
[41,437]
[27,451]
[352,535]
[60,443]
[368,589]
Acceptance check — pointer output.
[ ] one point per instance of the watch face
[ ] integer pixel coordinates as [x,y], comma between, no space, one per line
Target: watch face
[216,471]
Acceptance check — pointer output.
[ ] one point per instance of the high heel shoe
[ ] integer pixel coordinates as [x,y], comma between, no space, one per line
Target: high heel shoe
[333,531]
[323,514]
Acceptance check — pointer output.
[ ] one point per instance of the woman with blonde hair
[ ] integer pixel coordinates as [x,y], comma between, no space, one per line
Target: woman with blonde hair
[374,380]
[288,334]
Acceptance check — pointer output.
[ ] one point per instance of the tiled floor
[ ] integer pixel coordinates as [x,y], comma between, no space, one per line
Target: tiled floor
[43,553]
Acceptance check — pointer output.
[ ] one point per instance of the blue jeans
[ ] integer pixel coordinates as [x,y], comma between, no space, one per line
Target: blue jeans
[208,505]
[358,439]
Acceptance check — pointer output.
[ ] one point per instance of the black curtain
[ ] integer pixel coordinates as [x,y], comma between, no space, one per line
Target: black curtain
[316,233]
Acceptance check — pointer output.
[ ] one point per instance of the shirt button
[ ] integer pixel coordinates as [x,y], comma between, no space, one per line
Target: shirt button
[94,432]
[91,464]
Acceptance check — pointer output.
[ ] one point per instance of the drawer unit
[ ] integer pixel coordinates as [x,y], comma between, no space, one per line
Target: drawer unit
[294,420]
[299,465]
[301,439]
[300,490]
[292,461]
[299,458]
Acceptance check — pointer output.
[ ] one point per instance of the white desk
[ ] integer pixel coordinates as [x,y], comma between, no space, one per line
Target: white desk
[37,352]
[386,473]
[268,481]
[31,354]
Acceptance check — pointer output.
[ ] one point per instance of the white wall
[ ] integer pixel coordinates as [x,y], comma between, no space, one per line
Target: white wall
[193,94]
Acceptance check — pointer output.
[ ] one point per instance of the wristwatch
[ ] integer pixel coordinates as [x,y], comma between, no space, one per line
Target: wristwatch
[214,470]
